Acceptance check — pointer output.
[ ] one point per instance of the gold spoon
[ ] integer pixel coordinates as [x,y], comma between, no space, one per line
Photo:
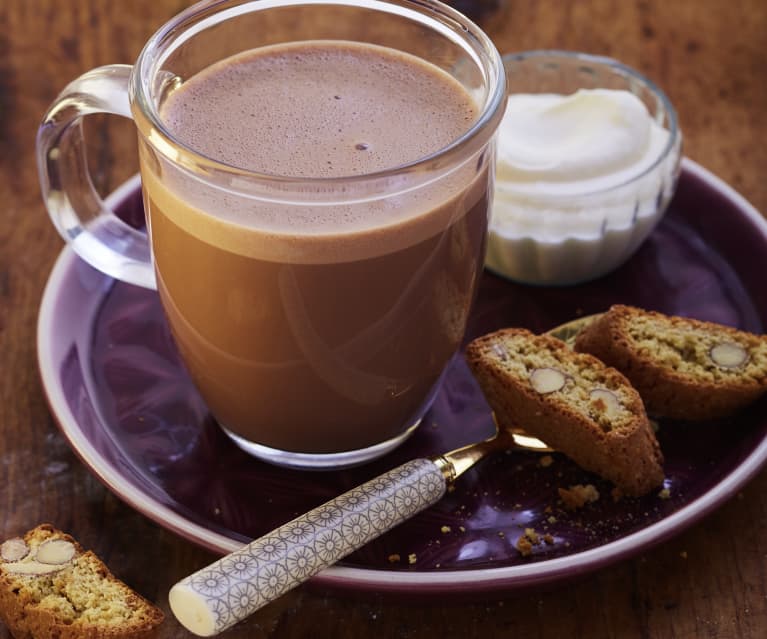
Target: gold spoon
[234,587]
[289,555]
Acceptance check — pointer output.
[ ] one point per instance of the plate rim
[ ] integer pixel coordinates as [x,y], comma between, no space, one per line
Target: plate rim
[346,577]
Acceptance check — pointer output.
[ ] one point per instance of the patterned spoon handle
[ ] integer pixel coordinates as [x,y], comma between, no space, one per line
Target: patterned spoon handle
[218,596]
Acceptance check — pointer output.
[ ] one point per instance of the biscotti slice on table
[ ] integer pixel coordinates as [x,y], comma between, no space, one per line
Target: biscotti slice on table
[572,402]
[50,587]
[683,368]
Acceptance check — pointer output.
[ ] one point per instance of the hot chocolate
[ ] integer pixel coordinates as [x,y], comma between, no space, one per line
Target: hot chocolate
[316,326]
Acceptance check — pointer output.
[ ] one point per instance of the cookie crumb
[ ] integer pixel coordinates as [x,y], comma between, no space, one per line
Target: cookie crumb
[524,546]
[394,558]
[552,519]
[665,494]
[545,461]
[577,496]
[683,554]
[526,542]
[548,539]
[412,558]
[445,529]
[532,536]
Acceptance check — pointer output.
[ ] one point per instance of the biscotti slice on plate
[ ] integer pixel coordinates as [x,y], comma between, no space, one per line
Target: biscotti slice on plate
[571,401]
[51,587]
[683,368]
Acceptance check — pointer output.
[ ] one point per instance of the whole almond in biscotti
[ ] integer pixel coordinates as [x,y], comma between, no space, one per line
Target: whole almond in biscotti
[682,368]
[13,550]
[571,401]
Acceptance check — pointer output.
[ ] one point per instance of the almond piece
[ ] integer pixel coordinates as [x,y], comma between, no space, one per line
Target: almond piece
[728,355]
[55,552]
[32,568]
[14,549]
[500,351]
[607,399]
[547,380]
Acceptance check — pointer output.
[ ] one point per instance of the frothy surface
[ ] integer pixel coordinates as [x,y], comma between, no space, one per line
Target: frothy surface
[318,109]
[323,109]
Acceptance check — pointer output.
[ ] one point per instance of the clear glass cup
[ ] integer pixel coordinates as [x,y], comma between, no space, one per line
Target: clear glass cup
[312,362]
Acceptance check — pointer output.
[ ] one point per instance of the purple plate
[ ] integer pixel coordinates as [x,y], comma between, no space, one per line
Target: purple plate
[123,400]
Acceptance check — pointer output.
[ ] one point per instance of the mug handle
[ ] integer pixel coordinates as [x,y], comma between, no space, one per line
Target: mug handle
[92,229]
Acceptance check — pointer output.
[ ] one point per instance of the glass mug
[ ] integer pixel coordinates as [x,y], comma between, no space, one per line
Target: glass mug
[314,346]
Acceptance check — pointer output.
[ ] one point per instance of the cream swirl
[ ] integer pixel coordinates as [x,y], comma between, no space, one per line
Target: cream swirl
[575,144]
[581,181]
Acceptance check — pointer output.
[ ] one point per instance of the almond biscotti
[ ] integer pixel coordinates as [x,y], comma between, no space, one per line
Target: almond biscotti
[682,368]
[51,587]
[571,401]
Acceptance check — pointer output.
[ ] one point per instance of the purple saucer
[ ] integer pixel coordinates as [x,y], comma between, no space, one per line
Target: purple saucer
[123,400]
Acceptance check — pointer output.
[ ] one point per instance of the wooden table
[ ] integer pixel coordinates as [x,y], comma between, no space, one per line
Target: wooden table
[710,581]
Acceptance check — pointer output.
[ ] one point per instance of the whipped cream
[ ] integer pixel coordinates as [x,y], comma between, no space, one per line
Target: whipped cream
[573,144]
[589,167]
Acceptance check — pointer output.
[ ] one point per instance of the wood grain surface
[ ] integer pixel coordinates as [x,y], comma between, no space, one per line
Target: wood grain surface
[710,581]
